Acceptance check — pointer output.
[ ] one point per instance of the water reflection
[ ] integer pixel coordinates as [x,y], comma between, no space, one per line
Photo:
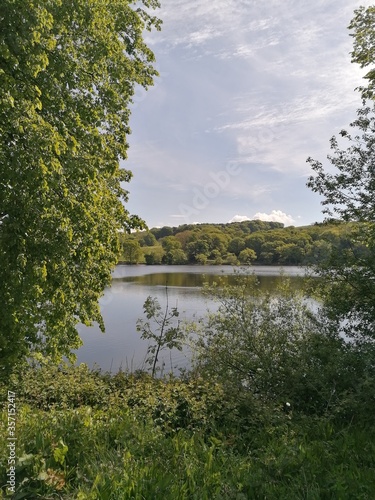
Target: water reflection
[121,346]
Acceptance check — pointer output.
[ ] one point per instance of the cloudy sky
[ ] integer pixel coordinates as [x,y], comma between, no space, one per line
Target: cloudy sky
[248,89]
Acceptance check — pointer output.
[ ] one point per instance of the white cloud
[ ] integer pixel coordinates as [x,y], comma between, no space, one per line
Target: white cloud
[238,218]
[275,216]
[261,85]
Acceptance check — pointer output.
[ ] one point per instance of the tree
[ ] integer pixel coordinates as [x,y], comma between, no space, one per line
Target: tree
[216,241]
[255,242]
[162,329]
[131,251]
[231,259]
[175,256]
[201,258]
[162,232]
[290,254]
[236,245]
[270,349]
[271,252]
[153,255]
[184,237]
[247,256]
[68,70]
[349,192]
[197,247]
[147,240]
[319,252]
[363,53]
[170,243]
[173,251]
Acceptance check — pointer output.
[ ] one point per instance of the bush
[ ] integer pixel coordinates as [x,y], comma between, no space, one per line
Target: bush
[174,438]
[273,352]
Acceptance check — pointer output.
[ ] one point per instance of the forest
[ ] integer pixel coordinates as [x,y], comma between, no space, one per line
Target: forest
[242,243]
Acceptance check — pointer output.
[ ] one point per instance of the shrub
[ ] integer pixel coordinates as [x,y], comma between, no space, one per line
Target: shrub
[272,351]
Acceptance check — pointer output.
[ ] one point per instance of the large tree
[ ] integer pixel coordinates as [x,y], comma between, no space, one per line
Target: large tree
[68,69]
[348,192]
[363,32]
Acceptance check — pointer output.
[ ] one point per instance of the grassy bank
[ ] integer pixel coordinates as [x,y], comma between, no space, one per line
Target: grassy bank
[86,435]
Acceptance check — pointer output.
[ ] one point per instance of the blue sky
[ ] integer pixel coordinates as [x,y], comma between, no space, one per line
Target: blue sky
[248,89]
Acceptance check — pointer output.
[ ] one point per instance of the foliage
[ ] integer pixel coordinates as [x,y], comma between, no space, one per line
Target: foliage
[349,273]
[147,239]
[153,255]
[279,404]
[67,77]
[170,243]
[363,52]
[173,253]
[247,242]
[201,258]
[274,351]
[348,192]
[247,256]
[236,245]
[171,439]
[131,251]
[252,343]
[167,332]
[172,403]
[49,385]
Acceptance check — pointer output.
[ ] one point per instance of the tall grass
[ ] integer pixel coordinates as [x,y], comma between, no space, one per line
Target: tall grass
[125,437]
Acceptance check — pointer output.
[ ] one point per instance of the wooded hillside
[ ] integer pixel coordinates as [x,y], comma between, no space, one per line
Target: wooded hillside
[248,242]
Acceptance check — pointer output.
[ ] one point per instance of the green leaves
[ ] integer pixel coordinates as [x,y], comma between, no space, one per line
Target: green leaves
[60,452]
[67,76]
[363,52]
[161,329]
[348,192]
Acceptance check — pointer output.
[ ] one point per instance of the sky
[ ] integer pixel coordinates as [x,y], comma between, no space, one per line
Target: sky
[248,90]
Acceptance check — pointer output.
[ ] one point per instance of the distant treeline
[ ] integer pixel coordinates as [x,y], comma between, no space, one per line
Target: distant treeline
[248,242]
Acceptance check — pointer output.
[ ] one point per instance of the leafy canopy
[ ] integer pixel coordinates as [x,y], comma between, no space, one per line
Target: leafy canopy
[348,192]
[349,274]
[363,26]
[68,69]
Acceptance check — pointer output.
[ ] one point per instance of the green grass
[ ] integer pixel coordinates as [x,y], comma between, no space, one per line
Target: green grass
[84,435]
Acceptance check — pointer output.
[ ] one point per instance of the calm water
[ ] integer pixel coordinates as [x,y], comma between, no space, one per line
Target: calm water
[122,304]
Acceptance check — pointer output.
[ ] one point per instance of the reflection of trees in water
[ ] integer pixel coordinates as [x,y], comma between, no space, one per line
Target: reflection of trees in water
[183,279]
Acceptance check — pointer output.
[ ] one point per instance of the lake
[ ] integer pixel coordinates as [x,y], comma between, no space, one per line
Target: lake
[122,304]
